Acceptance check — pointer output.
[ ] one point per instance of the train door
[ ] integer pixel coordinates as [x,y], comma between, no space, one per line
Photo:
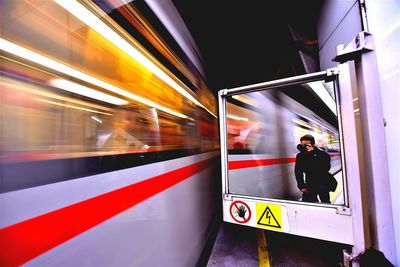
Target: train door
[292,155]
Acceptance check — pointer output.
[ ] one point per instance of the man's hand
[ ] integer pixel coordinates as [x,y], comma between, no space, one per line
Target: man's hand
[304,190]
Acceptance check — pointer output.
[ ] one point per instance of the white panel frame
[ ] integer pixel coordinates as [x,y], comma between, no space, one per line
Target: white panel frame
[342,224]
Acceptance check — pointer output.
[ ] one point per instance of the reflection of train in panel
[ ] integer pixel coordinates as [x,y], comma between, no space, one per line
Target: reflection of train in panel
[264,129]
[106,156]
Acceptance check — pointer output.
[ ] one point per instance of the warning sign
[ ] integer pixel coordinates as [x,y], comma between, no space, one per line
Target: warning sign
[269,216]
[240,211]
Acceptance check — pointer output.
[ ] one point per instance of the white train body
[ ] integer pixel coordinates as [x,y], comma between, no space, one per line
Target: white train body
[108,157]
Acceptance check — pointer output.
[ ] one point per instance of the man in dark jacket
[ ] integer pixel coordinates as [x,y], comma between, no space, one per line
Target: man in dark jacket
[312,166]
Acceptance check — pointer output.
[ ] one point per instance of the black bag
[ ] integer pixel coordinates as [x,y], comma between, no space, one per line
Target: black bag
[331,182]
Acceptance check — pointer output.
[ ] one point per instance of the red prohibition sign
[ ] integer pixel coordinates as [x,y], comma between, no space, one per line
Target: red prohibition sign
[240,211]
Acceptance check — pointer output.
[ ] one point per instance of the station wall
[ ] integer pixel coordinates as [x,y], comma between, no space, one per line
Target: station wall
[339,22]
[384,22]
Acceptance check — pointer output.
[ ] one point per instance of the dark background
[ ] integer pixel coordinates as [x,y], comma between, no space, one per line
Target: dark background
[245,42]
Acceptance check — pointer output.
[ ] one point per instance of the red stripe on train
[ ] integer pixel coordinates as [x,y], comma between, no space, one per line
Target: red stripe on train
[241,164]
[26,240]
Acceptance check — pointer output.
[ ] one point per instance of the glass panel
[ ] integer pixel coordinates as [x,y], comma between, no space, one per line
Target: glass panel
[264,133]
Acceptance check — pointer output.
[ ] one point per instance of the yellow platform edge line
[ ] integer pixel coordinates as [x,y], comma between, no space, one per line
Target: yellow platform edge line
[263,257]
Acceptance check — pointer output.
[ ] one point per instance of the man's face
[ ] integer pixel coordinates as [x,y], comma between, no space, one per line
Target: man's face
[309,147]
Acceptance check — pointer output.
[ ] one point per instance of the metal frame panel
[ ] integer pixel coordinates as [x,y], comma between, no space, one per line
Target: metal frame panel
[321,221]
[347,84]
[373,168]
[376,169]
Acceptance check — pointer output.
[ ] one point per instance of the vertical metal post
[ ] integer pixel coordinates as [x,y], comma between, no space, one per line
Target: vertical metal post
[375,170]
[375,155]
[223,140]
[347,82]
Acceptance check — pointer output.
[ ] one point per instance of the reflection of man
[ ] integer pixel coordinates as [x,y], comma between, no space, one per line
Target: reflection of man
[312,166]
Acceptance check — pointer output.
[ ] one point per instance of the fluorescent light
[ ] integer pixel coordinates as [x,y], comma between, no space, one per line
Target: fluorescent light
[33,89]
[96,119]
[52,64]
[302,123]
[245,99]
[71,106]
[234,117]
[86,91]
[321,91]
[87,17]
[317,130]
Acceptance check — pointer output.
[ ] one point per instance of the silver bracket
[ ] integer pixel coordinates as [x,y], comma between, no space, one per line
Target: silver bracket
[362,43]
[343,211]
[332,71]
[223,92]
[331,74]
[228,197]
[347,258]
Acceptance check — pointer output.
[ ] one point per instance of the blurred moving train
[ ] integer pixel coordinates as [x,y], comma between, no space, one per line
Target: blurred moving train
[108,139]
[264,129]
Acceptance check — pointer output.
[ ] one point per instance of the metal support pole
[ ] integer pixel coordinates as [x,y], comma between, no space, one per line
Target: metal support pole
[347,82]
[375,155]
[375,167]
[223,140]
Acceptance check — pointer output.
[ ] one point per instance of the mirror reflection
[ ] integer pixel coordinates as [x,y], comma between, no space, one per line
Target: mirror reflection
[284,144]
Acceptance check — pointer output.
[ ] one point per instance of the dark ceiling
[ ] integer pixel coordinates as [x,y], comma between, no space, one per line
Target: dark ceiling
[243,43]
[248,42]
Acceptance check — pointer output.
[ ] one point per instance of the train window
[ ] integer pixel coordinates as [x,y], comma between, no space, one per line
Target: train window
[70,89]
[266,157]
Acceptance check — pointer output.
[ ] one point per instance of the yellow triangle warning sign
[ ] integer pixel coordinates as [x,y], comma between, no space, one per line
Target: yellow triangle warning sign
[269,216]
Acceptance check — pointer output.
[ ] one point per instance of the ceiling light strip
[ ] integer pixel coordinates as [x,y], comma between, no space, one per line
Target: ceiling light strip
[234,117]
[86,91]
[87,17]
[323,94]
[71,106]
[20,51]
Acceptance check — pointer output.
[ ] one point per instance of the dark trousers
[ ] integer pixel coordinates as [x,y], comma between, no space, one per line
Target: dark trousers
[311,196]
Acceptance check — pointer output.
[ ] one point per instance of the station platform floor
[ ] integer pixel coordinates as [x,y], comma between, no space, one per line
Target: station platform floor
[237,245]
